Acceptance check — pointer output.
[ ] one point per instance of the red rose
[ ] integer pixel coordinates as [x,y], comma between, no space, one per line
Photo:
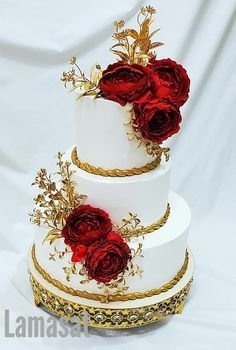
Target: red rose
[170,81]
[124,83]
[108,258]
[157,121]
[85,225]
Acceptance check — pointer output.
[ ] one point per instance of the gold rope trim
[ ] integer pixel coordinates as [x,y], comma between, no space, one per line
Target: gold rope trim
[111,297]
[148,229]
[113,172]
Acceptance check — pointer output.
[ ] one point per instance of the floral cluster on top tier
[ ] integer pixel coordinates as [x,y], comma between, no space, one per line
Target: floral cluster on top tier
[156,89]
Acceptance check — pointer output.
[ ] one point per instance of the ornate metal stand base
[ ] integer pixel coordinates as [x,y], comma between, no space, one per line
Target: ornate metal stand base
[114,315]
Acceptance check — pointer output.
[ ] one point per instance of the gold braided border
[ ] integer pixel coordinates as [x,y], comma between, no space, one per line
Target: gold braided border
[112,297]
[113,172]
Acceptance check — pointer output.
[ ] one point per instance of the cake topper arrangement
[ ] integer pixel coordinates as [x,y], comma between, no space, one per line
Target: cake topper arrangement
[154,89]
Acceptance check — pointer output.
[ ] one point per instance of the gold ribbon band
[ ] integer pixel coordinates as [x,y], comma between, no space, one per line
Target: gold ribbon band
[113,172]
[111,297]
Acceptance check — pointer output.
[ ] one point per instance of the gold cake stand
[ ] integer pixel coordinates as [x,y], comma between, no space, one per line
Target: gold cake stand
[113,315]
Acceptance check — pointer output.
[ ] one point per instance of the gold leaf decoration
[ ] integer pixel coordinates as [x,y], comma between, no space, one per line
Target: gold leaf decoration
[60,254]
[71,270]
[136,45]
[78,80]
[56,200]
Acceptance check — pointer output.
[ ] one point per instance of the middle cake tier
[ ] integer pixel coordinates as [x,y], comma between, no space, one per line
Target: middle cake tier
[145,195]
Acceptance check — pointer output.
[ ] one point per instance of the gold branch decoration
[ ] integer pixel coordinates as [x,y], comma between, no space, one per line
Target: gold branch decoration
[129,224]
[136,46]
[59,253]
[56,200]
[78,80]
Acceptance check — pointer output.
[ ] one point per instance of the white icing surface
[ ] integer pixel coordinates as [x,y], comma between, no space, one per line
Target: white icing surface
[101,135]
[163,251]
[145,195]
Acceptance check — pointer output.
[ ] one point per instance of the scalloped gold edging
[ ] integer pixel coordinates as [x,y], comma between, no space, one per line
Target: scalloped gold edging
[113,172]
[110,297]
[105,317]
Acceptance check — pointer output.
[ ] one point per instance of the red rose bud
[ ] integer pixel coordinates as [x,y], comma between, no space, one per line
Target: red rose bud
[157,121]
[106,259]
[170,81]
[79,253]
[124,83]
[85,225]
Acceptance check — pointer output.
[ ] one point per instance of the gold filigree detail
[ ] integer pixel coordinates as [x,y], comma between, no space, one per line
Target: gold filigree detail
[110,318]
[113,172]
[103,317]
[111,297]
[136,46]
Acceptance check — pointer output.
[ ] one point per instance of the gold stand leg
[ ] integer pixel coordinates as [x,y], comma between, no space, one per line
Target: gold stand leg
[36,300]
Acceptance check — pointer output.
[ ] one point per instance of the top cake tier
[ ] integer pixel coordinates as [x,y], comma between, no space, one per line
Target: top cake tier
[101,135]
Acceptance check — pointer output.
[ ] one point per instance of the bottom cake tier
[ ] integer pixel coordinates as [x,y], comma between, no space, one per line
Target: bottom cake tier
[115,315]
[167,269]
[163,251]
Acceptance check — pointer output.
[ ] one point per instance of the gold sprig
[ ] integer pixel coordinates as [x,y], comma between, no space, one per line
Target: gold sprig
[148,9]
[71,270]
[133,268]
[56,199]
[78,80]
[59,253]
[129,224]
[119,24]
[137,46]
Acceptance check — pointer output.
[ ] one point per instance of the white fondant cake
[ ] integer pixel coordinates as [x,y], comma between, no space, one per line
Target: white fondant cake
[112,238]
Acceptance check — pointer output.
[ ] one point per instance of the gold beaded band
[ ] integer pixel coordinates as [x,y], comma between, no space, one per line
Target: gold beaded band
[113,172]
[109,318]
[110,297]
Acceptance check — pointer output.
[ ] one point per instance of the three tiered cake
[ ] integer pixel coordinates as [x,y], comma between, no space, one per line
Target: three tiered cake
[112,238]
